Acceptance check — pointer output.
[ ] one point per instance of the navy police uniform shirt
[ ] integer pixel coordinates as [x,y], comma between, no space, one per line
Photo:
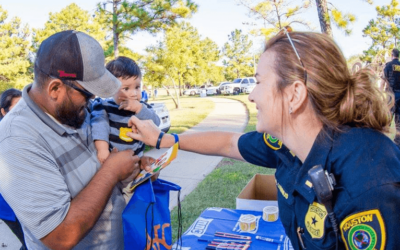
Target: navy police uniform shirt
[392,74]
[366,198]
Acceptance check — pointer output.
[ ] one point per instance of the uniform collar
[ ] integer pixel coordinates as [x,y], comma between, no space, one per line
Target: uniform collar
[318,156]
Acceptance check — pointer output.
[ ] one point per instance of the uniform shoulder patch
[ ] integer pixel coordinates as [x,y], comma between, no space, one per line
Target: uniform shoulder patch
[396,67]
[272,142]
[364,230]
[315,220]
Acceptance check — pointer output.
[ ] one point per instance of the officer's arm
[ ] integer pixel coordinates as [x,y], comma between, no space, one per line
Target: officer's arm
[207,143]
[374,213]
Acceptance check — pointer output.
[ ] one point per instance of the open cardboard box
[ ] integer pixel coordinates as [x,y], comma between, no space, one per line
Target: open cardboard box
[259,192]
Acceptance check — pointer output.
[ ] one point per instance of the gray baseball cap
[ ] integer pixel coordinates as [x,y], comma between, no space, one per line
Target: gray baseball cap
[74,55]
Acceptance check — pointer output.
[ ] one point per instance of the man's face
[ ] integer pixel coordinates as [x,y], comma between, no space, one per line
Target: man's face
[70,113]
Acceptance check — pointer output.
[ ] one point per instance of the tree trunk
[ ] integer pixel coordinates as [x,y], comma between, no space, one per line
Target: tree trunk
[324,19]
[115,20]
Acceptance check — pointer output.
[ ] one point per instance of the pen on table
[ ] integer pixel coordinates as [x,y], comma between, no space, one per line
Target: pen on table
[268,239]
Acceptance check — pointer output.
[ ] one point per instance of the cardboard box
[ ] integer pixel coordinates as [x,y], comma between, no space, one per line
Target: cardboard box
[259,192]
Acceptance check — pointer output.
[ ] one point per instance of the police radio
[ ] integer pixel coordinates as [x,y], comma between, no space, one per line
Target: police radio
[323,184]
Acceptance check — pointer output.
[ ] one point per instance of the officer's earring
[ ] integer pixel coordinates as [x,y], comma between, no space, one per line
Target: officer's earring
[290,110]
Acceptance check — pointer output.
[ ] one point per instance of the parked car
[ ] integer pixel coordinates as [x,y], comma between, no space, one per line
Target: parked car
[222,84]
[230,89]
[191,91]
[163,113]
[244,82]
[212,90]
[249,88]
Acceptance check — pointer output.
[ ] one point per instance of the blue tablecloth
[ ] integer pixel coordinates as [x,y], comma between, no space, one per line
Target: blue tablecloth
[226,220]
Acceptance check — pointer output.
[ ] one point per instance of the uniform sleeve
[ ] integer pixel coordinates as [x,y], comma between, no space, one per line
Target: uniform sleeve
[99,121]
[253,148]
[386,71]
[147,113]
[373,218]
[31,183]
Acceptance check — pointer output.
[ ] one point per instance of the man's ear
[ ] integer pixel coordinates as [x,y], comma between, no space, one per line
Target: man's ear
[3,112]
[297,94]
[55,89]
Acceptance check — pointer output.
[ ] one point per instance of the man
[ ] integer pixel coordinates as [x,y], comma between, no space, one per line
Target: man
[49,172]
[392,75]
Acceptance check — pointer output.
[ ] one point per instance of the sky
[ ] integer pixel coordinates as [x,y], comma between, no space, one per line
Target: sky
[215,19]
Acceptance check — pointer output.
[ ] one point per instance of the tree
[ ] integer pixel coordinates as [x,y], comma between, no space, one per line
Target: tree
[127,18]
[275,14]
[71,18]
[14,53]
[384,32]
[239,61]
[183,57]
[327,14]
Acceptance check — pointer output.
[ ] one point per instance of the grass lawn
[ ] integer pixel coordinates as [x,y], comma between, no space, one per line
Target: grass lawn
[221,187]
[192,111]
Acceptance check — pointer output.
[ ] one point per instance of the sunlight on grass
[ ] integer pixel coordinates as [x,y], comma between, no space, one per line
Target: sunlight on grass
[192,111]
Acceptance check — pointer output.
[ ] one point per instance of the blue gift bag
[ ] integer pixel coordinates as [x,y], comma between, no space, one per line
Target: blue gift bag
[6,212]
[146,218]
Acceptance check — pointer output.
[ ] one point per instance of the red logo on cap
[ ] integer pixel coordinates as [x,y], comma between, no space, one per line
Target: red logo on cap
[63,74]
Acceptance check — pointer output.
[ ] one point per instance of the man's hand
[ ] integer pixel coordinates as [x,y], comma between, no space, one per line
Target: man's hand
[123,164]
[131,105]
[143,130]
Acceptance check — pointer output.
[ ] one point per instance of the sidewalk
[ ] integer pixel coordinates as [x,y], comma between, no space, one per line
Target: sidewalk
[189,169]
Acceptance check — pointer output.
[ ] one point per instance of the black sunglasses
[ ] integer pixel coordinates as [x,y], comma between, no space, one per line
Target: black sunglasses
[287,30]
[84,92]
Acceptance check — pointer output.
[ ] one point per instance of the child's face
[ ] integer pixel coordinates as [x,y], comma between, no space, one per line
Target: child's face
[130,89]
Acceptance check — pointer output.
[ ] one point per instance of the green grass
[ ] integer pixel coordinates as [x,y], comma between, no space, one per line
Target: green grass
[221,187]
[192,111]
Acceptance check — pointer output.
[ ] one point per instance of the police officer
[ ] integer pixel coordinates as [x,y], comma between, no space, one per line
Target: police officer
[322,115]
[392,75]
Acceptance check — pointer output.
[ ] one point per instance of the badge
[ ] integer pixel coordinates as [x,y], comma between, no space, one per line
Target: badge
[272,142]
[315,220]
[364,230]
[396,67]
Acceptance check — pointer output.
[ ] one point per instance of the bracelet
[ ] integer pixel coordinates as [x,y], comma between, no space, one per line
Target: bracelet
[159,139]
[176,137]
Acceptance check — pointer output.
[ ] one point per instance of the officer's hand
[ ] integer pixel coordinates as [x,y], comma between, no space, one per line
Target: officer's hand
[143,130]
[122,164]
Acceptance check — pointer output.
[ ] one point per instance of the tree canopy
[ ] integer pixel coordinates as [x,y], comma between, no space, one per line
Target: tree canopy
[14,53]
[384,32]
[72,17]
[239,61]
[128,17]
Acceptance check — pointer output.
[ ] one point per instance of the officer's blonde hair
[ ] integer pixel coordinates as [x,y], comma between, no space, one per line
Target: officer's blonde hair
[337,97]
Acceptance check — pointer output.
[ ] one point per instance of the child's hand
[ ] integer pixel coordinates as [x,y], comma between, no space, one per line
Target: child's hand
[102,155]
[131,105]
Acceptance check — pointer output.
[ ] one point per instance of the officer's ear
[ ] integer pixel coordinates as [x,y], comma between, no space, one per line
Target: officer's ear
[297,96]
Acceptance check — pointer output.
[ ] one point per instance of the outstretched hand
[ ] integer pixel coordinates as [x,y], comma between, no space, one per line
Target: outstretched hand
[143,130]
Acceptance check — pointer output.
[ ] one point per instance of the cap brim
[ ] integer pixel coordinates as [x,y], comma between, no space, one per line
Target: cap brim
[105,86]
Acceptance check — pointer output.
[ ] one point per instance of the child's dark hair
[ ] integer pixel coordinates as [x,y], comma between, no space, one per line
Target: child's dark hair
[6,99]
[124,67]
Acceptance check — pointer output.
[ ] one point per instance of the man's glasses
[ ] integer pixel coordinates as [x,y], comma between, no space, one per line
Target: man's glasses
[287,30]
[85,93]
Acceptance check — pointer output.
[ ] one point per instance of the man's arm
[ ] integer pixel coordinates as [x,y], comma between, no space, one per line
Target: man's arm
[87,206]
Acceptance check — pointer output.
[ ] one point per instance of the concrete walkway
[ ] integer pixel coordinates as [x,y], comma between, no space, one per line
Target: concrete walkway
[188,169]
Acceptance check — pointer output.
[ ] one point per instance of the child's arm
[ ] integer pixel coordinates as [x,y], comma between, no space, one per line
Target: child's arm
[100,129]
[103,151]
